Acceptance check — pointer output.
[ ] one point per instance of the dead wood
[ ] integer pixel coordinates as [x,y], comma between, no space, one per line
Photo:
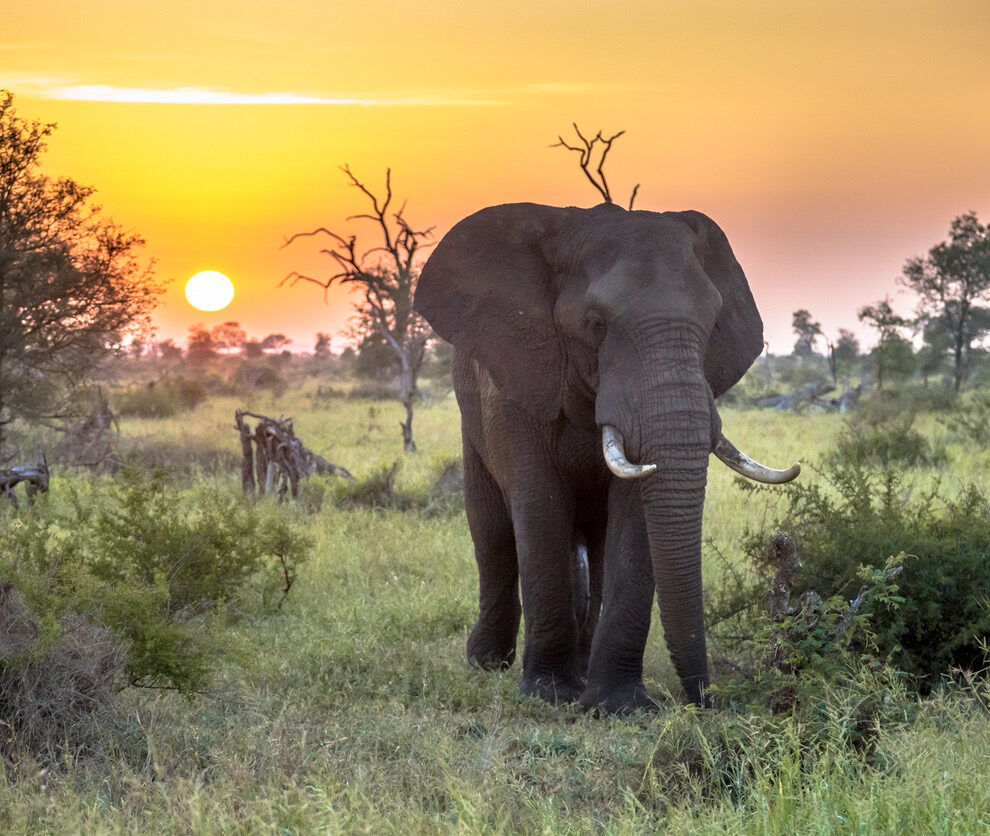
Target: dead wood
[34,476]
[274,459]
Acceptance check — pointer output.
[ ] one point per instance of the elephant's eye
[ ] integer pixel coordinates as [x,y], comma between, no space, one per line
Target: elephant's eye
[594,327]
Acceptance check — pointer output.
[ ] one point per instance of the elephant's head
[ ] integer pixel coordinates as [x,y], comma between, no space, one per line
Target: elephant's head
[634,321]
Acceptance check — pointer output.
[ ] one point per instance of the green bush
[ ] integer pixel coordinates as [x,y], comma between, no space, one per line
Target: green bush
[971,422]
[161,398]
[860,518]
[881,432]
[249,377]
[155,565]
[57,681]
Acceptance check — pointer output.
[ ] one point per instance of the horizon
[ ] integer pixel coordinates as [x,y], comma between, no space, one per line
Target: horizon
[830,142]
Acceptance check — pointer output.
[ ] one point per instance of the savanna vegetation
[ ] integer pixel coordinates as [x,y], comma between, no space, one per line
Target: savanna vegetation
[176,656]
[157,675]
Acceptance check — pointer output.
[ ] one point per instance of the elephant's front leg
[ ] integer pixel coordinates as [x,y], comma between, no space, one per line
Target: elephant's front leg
[492,643]
[543,520]
[615,669]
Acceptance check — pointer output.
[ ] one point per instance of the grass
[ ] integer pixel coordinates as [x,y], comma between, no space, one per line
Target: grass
[353,709]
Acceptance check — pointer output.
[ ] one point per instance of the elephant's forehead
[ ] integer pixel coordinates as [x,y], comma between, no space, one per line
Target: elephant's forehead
[638,240]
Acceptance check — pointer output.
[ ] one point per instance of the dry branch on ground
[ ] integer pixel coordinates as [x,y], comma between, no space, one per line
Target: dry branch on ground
[276,458]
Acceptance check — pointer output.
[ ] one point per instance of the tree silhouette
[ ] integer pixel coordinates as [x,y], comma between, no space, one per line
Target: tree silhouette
[588,149]
[71,288]
[951,282]
[387,283]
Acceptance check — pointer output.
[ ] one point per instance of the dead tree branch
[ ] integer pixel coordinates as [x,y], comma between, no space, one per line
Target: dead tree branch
[276,458]
[386,275]
[35,477]
[586,150]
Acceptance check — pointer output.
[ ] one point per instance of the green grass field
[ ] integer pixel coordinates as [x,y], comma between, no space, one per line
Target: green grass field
[353,710]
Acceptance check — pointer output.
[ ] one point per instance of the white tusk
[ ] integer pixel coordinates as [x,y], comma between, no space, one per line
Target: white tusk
[615,456]
[741,463]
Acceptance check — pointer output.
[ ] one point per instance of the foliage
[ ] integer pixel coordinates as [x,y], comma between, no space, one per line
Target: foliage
[951,282]
[859,519]
[249,377]
[161,398]
[57,681]
[150,563]
[378,491]
[807,330]
[354,710]
[893,355]
[71,288]
[971,420]
[881,433]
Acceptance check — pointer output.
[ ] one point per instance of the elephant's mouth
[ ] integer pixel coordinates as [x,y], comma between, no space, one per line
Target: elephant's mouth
[725,450]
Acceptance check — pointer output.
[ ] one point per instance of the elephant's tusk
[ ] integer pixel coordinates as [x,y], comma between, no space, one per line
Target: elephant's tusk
[615,456]
[741,463]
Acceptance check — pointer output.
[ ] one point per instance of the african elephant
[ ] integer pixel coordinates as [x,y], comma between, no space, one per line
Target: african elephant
[584,340]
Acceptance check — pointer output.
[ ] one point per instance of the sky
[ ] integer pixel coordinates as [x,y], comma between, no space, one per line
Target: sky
[830,140]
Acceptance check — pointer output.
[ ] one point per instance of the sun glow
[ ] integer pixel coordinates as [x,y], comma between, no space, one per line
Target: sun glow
[209,291]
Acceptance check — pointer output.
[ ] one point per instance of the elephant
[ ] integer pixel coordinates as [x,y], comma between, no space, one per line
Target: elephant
[585,340]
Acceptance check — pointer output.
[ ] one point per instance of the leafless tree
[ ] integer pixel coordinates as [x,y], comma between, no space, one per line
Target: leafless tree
[587,150]
[386,275]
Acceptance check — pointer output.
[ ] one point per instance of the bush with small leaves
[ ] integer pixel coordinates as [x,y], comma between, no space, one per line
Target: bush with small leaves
[881,432]
[161,398]
[156,565]
[855,522]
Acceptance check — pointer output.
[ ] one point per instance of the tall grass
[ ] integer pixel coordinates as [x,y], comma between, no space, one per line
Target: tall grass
[353,710]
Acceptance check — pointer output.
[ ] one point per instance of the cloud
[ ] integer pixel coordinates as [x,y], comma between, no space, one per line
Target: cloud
[58,89]
[49,89]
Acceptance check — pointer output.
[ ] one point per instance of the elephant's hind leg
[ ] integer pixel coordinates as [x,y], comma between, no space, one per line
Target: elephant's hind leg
[492,643]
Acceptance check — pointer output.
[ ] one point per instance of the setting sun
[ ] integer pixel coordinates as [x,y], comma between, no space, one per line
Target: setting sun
[209,291]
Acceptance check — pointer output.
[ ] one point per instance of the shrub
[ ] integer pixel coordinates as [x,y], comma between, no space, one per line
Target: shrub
[151,564]
[881,432]
[860,518]
[57,680]
[444,494]
[161,398]
[971,422]
[249,377]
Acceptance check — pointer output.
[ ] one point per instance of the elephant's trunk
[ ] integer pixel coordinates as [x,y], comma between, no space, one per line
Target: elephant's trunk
[671,422]
[679,440]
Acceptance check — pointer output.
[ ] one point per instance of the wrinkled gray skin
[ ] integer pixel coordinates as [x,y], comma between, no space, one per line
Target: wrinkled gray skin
[563,320]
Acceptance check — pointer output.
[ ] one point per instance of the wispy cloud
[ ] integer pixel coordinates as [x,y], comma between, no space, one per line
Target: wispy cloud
[210,96]
[59,89]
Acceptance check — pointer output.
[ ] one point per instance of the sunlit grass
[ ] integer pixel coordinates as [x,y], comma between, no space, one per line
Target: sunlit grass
[353,708]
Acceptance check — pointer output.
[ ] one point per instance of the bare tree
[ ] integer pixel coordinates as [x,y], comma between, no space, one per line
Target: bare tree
[587,150]
[387,283]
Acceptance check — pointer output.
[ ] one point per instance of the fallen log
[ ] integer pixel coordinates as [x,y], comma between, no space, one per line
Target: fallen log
[34,476]
[274,459]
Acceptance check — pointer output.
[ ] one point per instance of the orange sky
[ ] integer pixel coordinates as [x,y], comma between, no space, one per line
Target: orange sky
[831,140]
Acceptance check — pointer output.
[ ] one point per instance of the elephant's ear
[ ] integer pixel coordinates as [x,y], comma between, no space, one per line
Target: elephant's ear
[487,288]
[737,338]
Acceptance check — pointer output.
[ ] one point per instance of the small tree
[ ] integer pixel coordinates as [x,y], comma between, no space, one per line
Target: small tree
[71,288]
[201,347]
[387,286]
[807,330]
[598,146]
[893,353]
[951,282]
[322,346]
[843,354]
[228,337]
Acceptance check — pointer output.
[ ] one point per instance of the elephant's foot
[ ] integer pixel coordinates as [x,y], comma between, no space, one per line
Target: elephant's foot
[490,653]
[550,688]
[622,700]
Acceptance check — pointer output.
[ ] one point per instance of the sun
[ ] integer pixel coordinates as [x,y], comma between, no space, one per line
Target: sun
[209,291]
